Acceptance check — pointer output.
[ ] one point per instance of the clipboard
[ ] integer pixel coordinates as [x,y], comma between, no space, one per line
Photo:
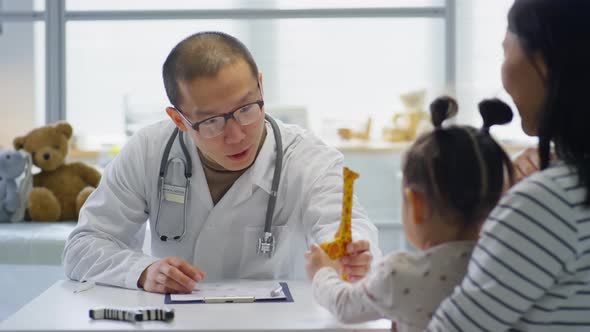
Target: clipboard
[237,299]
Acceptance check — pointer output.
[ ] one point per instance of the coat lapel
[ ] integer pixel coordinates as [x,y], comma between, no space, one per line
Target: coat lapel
[198,180]
[260,174]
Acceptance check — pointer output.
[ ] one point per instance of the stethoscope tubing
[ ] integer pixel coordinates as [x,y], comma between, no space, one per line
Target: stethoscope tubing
[188,174]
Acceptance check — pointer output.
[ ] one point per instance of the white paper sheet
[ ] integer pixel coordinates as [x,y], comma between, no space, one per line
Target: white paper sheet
[259,290]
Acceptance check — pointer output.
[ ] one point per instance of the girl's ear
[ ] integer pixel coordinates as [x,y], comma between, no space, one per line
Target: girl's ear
[176,118]
[417,204]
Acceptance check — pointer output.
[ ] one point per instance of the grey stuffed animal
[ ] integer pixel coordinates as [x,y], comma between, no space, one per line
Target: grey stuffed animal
[12,165]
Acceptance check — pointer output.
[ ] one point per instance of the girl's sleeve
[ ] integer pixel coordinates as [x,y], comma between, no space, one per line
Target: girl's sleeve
[369,299]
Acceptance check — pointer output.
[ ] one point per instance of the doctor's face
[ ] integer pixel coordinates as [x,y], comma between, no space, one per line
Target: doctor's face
[206,97]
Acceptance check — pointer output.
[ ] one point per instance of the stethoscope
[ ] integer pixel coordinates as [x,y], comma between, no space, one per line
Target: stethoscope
[266,243]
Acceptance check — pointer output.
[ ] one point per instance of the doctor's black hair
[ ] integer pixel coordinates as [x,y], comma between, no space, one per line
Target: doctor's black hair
[202,54]
[459,169]
[558,31]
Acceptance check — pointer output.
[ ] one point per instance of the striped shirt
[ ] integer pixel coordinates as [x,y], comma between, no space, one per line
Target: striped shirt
[530,271]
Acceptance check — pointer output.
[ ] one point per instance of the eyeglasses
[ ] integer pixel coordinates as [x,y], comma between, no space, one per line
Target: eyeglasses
[214,126]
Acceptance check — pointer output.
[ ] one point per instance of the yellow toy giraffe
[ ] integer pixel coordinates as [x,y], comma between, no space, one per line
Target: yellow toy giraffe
[337,247]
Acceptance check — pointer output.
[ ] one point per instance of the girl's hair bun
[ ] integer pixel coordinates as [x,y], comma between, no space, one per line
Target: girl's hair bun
[441,109]
[494,112]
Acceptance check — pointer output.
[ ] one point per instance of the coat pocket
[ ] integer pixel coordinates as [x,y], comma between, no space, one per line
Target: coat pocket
[260,266]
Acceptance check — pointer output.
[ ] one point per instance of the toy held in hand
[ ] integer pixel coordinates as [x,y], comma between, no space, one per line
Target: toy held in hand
[337,247]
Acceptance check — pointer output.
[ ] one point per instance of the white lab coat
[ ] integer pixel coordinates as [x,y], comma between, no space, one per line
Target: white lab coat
[220,239]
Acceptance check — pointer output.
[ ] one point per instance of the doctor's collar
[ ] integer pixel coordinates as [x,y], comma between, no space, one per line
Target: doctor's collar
[262,169]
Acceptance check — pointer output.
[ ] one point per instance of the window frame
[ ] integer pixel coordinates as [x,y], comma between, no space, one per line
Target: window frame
[56,17]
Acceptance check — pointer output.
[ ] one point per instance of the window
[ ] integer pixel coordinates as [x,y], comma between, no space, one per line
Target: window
[405,40]
[114,84]
[340,61]
[481,26]
[22,84]
[101,5]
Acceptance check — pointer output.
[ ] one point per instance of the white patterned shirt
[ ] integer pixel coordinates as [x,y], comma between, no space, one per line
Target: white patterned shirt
[405,287]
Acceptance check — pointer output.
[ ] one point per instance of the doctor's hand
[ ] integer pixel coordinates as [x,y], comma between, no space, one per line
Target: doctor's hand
[358,262]
[317,259]
[170,275]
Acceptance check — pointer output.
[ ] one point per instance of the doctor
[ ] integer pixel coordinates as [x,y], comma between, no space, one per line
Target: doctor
[206,191]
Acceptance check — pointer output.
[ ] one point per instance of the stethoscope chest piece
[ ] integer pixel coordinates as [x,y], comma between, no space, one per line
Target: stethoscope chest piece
[266,244]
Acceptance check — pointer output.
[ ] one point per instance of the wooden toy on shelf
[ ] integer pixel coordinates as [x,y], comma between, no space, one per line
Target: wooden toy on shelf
[405,124]
[349,133]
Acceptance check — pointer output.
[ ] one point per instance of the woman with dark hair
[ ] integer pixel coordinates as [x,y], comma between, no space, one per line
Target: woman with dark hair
[531,268]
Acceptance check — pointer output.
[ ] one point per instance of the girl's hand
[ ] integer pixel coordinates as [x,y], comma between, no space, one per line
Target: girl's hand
[358,262]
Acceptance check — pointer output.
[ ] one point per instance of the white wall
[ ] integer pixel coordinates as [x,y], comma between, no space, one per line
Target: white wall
[17,76]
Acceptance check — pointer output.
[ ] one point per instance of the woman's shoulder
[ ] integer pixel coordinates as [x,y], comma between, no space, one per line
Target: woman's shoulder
[553,199]
[558,183]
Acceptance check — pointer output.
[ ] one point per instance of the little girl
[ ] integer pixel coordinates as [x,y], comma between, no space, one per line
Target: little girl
[453,177]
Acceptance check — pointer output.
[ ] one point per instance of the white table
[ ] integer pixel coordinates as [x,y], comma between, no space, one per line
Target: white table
[20,284]
[59,309]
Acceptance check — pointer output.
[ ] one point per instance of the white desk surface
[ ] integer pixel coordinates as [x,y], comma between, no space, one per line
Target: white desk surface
[59,309]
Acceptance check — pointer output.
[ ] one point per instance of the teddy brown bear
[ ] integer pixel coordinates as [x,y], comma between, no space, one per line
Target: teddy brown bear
[60,189]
